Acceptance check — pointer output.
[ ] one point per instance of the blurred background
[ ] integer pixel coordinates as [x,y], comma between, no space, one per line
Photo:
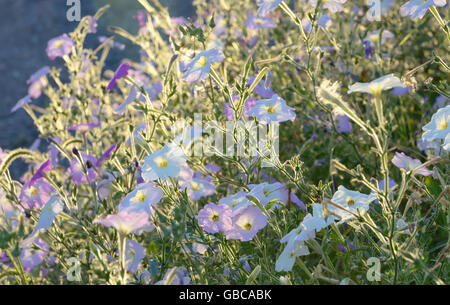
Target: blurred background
[25,28]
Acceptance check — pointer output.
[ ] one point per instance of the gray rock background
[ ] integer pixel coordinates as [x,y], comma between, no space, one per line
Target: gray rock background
[25,28]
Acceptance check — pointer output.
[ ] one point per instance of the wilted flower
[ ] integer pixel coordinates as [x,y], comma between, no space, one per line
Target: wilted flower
[59,46]
[272,110]
[127,222]
[199,67]
[403,161]
[246,224]
[214,218]
[418,8]
[163,163]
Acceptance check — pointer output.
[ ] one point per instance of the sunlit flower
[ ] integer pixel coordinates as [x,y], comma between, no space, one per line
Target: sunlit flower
[51,209]
[352,201]
[199,67]
[37,82]
[83,127]
[332,5]
[30,257]
[246,224]
[34,196]
[407,163]
[214,218]
[293,249]
[237,202]
[269,193]
[127,222]
[258,23]
[418,8]
[77,172]
[384,7]
[439,126]
[59,46]
[22,102]
[317,221]
[267,6]
[375,87]
[134,253]
[142,199]
[163,163]
[196,185]
[272,110]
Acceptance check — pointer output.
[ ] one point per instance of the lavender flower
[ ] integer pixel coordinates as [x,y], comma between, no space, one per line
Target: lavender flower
[258,23]
[246,224]
[272,110]
[409,164]
[37,82]
[134,254]
[77,172]
[121,71]
[35,195]
[214,218]
[59,46]
[418,8]
[83,127]
[127,222]
[267,6]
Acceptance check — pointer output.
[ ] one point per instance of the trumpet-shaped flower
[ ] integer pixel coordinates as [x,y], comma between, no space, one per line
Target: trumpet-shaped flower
[293,249]
[418,8]
[127,222]
[375,87]
[59,46]
[37,82]
[352,201]
[142,199]
[407,163]
[272,110]
[246,224]
[163,163]
[214,218]
[439,126]
[270,193]
[134,253]
[267,6]
[200,66]
[317,221]
[34,196]
[51,209]
[121,71]
[237,202]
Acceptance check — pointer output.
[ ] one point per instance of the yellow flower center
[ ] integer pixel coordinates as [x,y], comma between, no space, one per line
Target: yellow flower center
[266,193]
[375,89]
[233,204]
[443,125]
[374,38]
[140,196]
[258,21]
[247,226]
[292,254]
[34,191]
[270,110]
[215,217]
[194,186]
[202,61]
[350,201]
[162,163]
[59,44]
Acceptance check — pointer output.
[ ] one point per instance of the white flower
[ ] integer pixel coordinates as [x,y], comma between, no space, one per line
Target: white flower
[352,201]
[142,199]
[318,220]
[438,127]
[378,85]
[163,163]
[286,260]
[272,110]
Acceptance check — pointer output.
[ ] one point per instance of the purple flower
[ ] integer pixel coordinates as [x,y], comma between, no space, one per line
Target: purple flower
[246,224]
[37,82]
[324,22]
[22,102]
[142,17]
[332,5]
[31,258]
[77,173]
[403,161]
[120,72]
[93,25]
[83,127]
[264,90]
[343,122]
[127,222]
[418,8]
[266,6]
[59,46]
[249,103]
[196,185]
[199,67]
[106,155]
[34,196]
[258,23]
[47,166]
[214,218]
